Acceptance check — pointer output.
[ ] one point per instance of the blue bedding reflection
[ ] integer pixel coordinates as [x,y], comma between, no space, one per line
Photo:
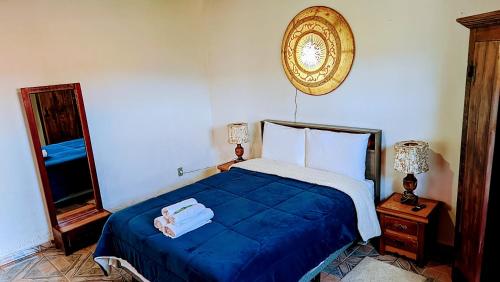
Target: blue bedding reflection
[68,170]
[64,152]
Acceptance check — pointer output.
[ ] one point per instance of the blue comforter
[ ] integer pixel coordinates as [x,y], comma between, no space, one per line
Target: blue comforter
[68,170]
[66,151]
[266,228]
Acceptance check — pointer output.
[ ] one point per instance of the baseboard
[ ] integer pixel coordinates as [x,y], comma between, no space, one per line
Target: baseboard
[19,255]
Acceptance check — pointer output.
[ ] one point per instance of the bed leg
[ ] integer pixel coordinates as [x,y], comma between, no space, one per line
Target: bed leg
[317,278]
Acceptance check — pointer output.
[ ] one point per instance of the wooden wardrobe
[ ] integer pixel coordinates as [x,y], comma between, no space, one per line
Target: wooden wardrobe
[477,201]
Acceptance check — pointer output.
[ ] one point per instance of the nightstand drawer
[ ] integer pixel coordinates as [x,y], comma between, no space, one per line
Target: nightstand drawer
[399,225]
[400,243]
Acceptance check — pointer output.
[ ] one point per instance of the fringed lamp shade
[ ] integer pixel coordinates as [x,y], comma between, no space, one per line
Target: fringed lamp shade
[238,134]
[411,157]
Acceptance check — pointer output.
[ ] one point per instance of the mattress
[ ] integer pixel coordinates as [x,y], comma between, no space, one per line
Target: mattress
[266,228]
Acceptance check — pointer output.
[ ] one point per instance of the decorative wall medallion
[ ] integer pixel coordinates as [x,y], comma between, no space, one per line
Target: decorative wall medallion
[317,50]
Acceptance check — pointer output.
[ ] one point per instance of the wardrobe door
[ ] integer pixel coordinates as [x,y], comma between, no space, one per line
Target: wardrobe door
[488,271]
[477,159]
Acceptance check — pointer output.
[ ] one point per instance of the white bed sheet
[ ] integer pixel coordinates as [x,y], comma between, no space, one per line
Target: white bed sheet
[361,192]
[370,186]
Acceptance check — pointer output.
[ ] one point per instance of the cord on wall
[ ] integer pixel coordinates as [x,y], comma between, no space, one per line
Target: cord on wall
[195,170]
[296,106]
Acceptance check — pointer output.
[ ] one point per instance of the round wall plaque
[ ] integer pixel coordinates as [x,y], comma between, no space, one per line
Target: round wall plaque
[317,50]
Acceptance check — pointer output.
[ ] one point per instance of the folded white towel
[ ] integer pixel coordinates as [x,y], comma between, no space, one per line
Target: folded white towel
[172,209]
[185,214]
[160,223]
[177,230]
[172,233]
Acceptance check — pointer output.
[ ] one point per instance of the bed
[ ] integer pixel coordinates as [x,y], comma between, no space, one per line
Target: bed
[68,170]
[274,221]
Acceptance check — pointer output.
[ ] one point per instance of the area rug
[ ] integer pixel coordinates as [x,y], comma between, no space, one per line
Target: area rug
[370,269]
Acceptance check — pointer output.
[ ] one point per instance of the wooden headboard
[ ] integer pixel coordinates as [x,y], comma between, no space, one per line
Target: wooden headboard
[372,154]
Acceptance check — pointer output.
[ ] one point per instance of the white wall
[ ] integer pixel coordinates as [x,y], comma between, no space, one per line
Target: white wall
[408,79]
[143,81]
[158,75]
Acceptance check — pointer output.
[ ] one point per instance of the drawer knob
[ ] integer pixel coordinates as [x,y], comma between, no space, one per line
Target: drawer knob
[401,226]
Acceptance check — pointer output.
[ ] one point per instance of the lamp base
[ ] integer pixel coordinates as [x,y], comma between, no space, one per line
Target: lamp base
[410,184]
[239,151]
[409,198]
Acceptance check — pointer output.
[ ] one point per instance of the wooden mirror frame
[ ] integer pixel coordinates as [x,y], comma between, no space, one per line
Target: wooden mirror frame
[30,116]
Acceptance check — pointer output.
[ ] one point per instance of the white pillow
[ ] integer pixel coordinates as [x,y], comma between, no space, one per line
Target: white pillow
[343,153]
[283,143]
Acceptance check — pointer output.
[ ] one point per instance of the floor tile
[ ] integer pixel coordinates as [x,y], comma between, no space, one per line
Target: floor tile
[86,269]
[42,270]
[349,263]
[351,249]
[329,278]
[12,271]
[51,265]
[64,263]
[365,250]
[338,269]
[335,271]
[386,258]
[445,269]
[340,259]
[407,265]
[431,273]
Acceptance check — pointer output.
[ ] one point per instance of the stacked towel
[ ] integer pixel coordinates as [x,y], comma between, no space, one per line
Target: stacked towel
[160,223]
[175,208]
[183,217]
[185,214]
[177,230]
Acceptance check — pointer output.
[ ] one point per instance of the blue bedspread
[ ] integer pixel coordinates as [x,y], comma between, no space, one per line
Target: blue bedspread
[65,151]
[266,228]
[68,170]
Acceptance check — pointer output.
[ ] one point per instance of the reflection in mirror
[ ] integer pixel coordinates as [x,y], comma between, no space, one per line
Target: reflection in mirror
[63,148]
[55,115]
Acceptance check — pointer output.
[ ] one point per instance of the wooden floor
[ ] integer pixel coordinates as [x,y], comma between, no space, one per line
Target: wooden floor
[52,265]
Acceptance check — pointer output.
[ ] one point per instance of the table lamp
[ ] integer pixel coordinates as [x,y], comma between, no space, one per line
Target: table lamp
[238,134]
[411,157]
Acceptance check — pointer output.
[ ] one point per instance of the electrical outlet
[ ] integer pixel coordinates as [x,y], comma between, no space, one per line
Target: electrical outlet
[180,171]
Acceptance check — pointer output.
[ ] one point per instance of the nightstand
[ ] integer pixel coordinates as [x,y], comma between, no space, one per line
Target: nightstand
[225,166]
[406,232]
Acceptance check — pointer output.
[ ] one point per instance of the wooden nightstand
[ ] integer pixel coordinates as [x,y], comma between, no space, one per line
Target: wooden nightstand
[404,231]
[225,166]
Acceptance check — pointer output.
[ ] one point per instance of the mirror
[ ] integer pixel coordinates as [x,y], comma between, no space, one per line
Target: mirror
[58,127]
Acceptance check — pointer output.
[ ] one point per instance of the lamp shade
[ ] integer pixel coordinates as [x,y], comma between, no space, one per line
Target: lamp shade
[411,157]
[238,133]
